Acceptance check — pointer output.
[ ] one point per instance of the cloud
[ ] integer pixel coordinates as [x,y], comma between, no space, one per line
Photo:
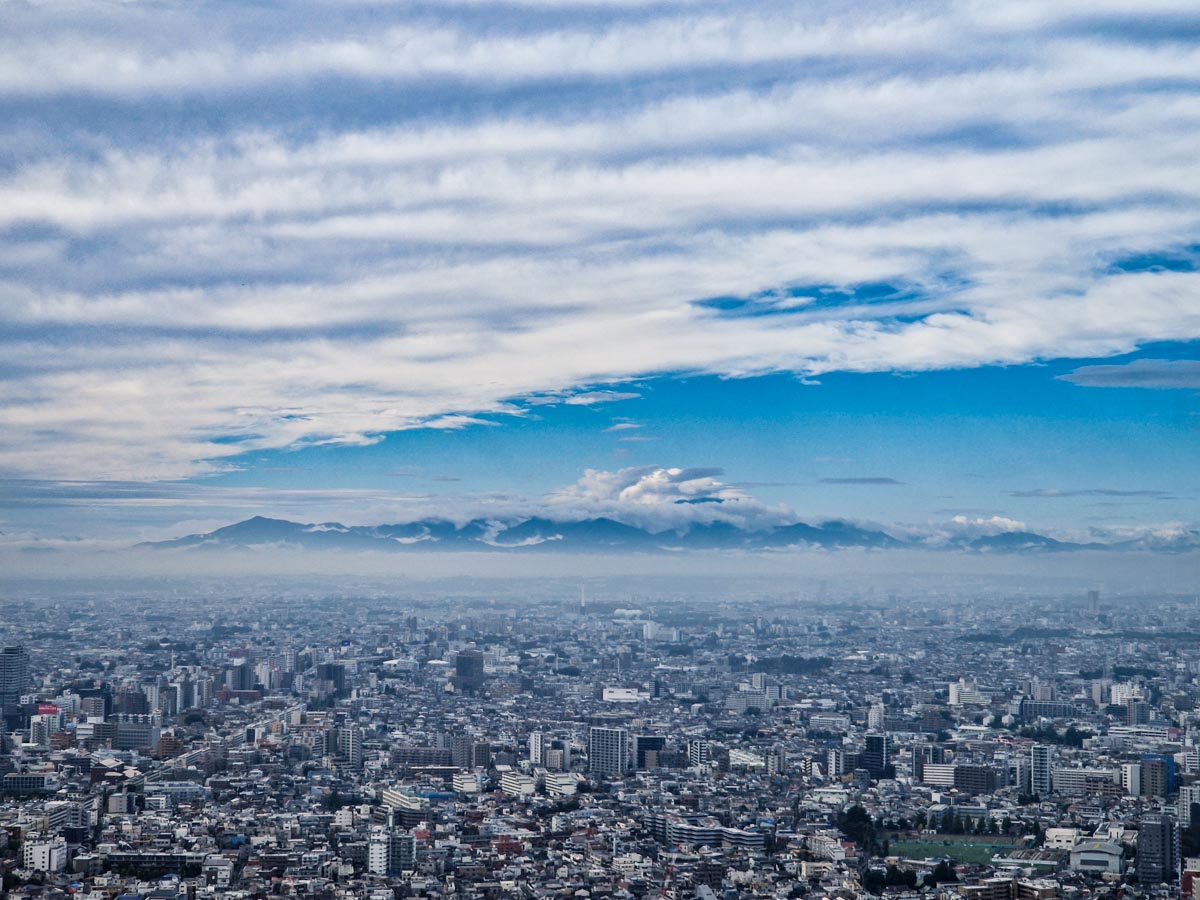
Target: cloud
[622,426]
[1090,492]
[658,498]
[1165,535]
[963,527]
[227,233]
[988,524]
[455,422]
[590,398]
[1141,373]
[876,480]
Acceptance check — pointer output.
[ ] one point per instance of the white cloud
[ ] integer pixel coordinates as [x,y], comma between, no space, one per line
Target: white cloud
[267,281]
[981,525]
[590,398]
[960,528]
[659,498]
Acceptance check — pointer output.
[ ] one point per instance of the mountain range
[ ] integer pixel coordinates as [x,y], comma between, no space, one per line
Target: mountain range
[606,535]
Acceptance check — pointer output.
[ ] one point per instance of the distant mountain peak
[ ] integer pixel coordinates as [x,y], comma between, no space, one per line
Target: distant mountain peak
[602,534]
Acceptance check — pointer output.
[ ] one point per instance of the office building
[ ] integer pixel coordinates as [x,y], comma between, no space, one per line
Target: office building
[646,750]
[965,692]
[1158,775]
[1157,850]
[608,751]
[923,754]
[14,675]
[468,672]
[877,755]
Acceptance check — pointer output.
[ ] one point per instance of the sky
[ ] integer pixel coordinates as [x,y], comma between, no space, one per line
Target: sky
[923,265]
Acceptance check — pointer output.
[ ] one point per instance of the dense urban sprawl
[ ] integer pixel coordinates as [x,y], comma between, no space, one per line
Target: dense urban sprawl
[530,740]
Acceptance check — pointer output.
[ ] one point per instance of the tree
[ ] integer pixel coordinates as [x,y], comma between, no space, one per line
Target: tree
[856,824]
[943,872]
[897,877]
[874,881]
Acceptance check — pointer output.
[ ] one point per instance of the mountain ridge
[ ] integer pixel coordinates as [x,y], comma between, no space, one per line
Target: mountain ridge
[603,534]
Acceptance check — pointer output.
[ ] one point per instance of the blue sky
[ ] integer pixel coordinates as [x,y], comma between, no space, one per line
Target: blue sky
[1019,442]
[375,260]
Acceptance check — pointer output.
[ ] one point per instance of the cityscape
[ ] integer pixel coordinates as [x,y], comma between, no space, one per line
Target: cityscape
[547,739]
[599,450]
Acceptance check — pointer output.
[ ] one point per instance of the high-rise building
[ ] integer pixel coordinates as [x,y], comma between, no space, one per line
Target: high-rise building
[1189,800]
[133,700]
[923,754]
[1137,711]
[974,779]
[390,851]
[608,751]
[469,751]
[776,761]
[537,748]
[1158,775]
[1157,850]
[876,716]
[93,707]
[646,750]
[698,754]
[835,762]
[468,672]
[14,675]
[877,755]
[1041,758]
[1131,779]
[557,756]
[350,745]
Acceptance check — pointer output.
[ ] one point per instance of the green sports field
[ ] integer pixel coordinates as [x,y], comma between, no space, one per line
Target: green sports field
[962,850]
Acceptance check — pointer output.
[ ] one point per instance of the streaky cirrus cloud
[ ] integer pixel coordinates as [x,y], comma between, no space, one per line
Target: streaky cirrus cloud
[864,480]
[1140,373]
[1091,492]
[228,230]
